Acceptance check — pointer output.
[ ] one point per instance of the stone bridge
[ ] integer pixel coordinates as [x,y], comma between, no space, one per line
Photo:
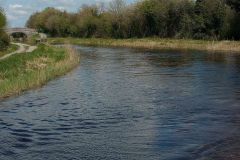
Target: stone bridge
[27,31]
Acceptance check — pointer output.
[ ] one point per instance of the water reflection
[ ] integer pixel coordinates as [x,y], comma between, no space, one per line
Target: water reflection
[128,104]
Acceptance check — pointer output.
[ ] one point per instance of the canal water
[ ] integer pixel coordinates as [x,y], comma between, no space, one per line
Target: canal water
[129,104]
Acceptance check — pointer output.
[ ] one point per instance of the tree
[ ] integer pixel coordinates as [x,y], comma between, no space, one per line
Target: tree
[87,20]
[186,21]
[209,18]
[4,39]
[118,11]
[117,7]
[234,32]
[152,17]
[180,18]
[234,4]
[2,19]
[51,21]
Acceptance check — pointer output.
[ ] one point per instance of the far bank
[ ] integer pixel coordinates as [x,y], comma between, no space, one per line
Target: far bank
[155,43]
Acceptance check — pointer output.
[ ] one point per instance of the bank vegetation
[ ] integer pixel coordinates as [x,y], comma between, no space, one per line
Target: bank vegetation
[155,43]
[11,48]
[4,38]
[29,70]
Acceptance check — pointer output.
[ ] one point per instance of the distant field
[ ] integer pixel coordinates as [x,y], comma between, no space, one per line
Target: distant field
[156,43]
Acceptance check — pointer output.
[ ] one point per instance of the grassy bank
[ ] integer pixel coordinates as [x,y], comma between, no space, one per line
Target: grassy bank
[29,70]
[156,43]
[10,49]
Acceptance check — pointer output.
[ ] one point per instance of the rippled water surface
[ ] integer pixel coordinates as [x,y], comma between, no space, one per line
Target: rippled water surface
[128,104]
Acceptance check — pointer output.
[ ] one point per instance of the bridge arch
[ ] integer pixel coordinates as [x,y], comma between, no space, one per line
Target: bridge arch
[24,31]
[18,35]
[21,34]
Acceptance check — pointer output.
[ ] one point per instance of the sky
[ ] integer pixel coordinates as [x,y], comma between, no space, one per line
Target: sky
[18,11]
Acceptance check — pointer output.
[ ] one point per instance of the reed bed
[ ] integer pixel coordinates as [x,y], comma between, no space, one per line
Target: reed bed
[156,43]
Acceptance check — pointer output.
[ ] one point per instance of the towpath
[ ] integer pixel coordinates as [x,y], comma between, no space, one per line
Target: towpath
[23,48]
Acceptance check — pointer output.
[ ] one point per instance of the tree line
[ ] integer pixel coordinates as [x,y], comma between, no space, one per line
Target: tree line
[197,19]
[4,39]
[200,19]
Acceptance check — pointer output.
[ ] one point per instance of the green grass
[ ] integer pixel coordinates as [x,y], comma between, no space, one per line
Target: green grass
[156,43]
[29,70]
[10,49]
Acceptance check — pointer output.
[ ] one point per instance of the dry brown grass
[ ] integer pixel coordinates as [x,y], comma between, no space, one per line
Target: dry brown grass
[157,43]
[38,63]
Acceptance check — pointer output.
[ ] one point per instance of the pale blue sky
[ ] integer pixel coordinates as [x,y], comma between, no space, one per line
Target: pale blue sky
[18,11]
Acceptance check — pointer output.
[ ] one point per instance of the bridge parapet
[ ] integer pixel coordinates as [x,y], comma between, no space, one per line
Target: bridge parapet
[27,31]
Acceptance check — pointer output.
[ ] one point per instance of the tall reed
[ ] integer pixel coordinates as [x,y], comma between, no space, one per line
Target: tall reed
[156,43]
